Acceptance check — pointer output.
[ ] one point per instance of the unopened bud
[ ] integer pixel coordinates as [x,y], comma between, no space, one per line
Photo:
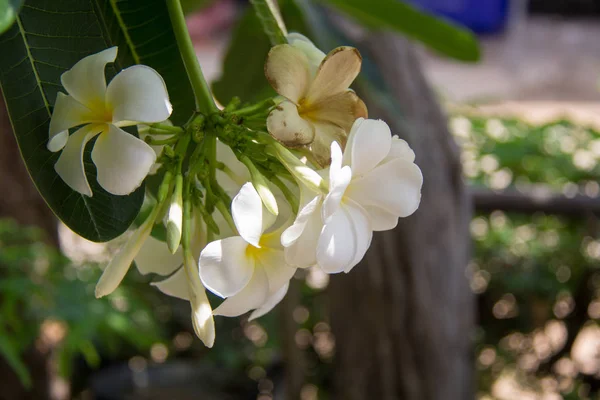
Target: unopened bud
[262,187]
[175,217]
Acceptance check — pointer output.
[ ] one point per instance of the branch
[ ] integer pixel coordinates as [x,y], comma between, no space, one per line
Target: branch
[488,200]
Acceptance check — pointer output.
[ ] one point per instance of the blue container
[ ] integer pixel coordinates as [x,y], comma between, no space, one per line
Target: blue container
[481,16]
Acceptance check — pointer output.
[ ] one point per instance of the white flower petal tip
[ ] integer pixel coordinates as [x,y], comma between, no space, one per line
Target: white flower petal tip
[224,266]
[70,166]
[251,218]
[251,297]
[270,303]
[85,81]
[175,286]
[155,258]
[138,93]
[122,161]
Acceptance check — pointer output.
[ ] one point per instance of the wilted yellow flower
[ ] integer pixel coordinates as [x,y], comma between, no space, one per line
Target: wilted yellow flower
[319,107]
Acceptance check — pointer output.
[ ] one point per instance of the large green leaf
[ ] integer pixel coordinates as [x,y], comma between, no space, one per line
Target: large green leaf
[439,35]
[8,13]
[48,38]
[272,21]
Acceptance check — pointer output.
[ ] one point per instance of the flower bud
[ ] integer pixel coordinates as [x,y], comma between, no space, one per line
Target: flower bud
[298,169]
[202,317]
[175,217]
[119,265]
[262,187]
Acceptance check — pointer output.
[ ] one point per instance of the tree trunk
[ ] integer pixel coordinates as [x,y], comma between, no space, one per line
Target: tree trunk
[403,318]
[21,201]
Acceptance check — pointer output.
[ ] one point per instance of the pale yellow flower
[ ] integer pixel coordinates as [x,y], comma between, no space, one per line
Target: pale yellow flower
[319,107]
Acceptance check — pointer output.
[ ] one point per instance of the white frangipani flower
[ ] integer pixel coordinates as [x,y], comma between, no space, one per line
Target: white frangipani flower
[135,95]
[371,185]
[319,106]
[249,270]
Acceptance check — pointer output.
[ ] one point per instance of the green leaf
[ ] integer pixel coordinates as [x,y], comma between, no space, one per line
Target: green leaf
[444,37]
[272,22]
[8,13]
[48,39]
[191,6]
[11,354]
[248,47]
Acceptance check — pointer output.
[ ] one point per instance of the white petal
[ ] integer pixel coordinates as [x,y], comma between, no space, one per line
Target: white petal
[224,266]
[285,124]
[293,233]
[67,113]
[368,144]
[287,70]
[300,240]
[362,230]
[70,165]
[122,160]
[86,81]
[155,258]
[120,263]
[271,302]
[176,285]
[380,219]
[339,179]
[138,94]
[344,240]
[278,272]
[202,315]
[250,216]
[254,295]
[400,149]
[394,187]
[302,253]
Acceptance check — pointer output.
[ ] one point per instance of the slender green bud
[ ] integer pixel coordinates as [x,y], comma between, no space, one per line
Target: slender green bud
[175,218]
[298,169]
[262,186]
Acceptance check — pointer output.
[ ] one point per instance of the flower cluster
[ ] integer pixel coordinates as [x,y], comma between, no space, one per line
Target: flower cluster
[249,194]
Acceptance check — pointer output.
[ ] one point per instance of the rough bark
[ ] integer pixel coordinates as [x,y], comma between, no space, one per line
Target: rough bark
[21,201]
[403,318]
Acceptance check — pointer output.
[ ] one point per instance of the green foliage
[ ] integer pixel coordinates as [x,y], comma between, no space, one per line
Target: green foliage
[271,19]
[442,36]
[42,291]
[191,6]
[47,40]
[249,47]
[535,275]
[8,13]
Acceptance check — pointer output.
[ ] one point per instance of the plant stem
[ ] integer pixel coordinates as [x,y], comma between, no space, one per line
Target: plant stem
[204,99]
[168,128]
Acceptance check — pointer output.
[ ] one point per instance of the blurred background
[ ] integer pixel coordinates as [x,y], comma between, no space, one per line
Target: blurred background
[490,291]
